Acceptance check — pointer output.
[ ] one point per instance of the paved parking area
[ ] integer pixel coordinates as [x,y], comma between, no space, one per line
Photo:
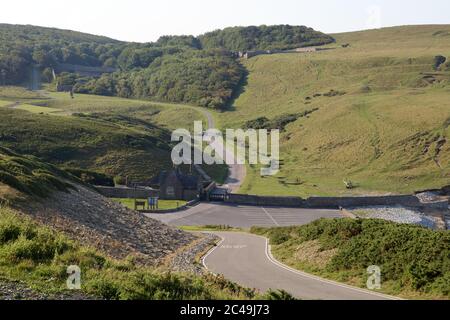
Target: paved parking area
[243,216]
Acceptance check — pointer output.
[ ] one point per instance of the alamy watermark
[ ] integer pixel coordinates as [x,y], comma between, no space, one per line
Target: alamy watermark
[374,279]
[236,147]
[73,281]
[373,20]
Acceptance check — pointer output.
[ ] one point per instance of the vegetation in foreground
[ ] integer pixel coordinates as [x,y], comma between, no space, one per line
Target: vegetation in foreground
[39,257]
[414,261]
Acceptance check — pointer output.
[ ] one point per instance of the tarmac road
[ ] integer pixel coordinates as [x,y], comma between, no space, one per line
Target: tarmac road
[246,259]
[236,172]
[243,216]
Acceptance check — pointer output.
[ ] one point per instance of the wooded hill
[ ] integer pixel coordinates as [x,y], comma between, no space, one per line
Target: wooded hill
[201,71]
[281,37]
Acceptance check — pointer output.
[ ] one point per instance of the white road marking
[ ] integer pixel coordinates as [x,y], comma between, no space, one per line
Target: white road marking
[270,216]
[211,251]
[300,273]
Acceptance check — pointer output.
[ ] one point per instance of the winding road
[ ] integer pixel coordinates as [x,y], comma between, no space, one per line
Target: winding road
[247,260]
[237,172]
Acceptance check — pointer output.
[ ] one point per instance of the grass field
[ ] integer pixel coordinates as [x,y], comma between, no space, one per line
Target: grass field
[37,109]
[384,126]
[162,204]
[18,93]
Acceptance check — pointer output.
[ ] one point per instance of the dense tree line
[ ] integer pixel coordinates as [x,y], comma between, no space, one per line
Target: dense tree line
[264,38]
[207,78]
[198,70]
[23,46]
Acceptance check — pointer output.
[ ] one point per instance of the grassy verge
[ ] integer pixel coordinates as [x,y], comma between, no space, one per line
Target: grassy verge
[162,204]
[414,261]
[39,257]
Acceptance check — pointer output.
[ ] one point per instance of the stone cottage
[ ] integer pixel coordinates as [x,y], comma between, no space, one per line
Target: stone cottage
[176,185]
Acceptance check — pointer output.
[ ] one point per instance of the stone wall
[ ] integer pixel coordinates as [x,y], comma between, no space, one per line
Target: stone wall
[347,202]
[127,193]
[264,201]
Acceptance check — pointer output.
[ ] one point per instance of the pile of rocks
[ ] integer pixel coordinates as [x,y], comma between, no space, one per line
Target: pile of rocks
[397,214]
[186,261]
[94,220]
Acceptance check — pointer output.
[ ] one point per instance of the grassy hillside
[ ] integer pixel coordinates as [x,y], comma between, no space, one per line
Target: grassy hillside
[30,176]
[382,120]
[103,134]
[413,260]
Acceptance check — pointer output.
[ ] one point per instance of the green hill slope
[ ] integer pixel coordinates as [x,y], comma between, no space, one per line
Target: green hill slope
[383,118]
[104,134]
[29,175]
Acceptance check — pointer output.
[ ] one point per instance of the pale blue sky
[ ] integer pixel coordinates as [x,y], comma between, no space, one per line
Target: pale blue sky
[140,20]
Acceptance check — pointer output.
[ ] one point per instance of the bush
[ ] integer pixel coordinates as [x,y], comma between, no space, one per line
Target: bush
[21,240]
[91,177]
[279,122]
[411,256]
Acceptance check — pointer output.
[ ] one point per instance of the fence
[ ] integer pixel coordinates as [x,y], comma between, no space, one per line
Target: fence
[126,193]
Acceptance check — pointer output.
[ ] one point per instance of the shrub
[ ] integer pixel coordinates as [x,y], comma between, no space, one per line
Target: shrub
[412,257]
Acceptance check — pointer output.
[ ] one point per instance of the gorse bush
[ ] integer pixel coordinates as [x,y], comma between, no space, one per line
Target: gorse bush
[21,240]
[413,257]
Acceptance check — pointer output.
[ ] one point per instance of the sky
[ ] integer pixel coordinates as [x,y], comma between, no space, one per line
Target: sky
[145,21]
